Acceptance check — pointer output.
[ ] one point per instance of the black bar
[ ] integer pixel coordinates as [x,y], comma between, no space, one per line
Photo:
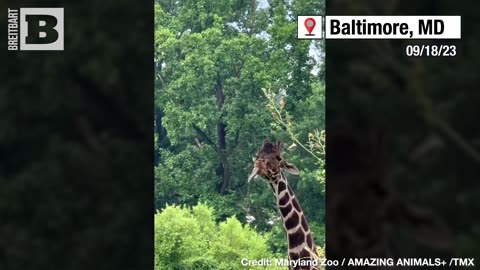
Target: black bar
[76,142]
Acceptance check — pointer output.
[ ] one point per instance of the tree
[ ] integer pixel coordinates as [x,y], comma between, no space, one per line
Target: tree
[212,60]
[188,238]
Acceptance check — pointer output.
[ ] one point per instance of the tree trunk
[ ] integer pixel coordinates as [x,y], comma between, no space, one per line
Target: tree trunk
[223,167]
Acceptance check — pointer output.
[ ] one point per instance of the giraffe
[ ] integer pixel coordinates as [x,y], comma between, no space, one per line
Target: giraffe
[268,164]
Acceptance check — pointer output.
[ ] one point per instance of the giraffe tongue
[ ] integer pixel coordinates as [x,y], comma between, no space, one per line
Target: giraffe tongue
[253,174]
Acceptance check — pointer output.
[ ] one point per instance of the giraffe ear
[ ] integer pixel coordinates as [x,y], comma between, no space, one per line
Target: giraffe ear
[253,174]
[290,168]
[279,145]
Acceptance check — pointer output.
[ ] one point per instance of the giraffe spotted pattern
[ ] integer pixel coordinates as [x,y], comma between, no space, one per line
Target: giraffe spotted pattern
[269,164]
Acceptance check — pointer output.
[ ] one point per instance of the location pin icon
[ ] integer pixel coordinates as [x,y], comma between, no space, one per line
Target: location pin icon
[310,24]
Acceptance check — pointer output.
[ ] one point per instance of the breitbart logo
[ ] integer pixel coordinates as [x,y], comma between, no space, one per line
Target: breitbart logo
[35,29]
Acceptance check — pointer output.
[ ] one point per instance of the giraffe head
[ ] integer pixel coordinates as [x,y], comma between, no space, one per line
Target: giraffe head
[269,161]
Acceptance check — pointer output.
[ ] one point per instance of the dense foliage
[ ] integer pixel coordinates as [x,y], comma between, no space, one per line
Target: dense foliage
[214,60]
[189,238]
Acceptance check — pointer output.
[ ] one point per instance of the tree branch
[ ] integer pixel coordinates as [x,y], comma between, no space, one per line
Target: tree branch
[204,136]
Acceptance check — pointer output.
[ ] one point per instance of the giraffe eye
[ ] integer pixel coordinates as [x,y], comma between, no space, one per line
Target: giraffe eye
[278,158]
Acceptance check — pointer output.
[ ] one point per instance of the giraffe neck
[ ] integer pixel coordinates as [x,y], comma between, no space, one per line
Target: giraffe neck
[299,237]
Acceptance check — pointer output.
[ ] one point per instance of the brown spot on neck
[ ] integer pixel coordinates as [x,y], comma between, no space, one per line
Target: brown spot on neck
[292,221]
[284,199]
[296,238]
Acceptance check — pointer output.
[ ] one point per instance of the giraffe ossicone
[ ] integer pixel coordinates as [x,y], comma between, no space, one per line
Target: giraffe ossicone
[269,164]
